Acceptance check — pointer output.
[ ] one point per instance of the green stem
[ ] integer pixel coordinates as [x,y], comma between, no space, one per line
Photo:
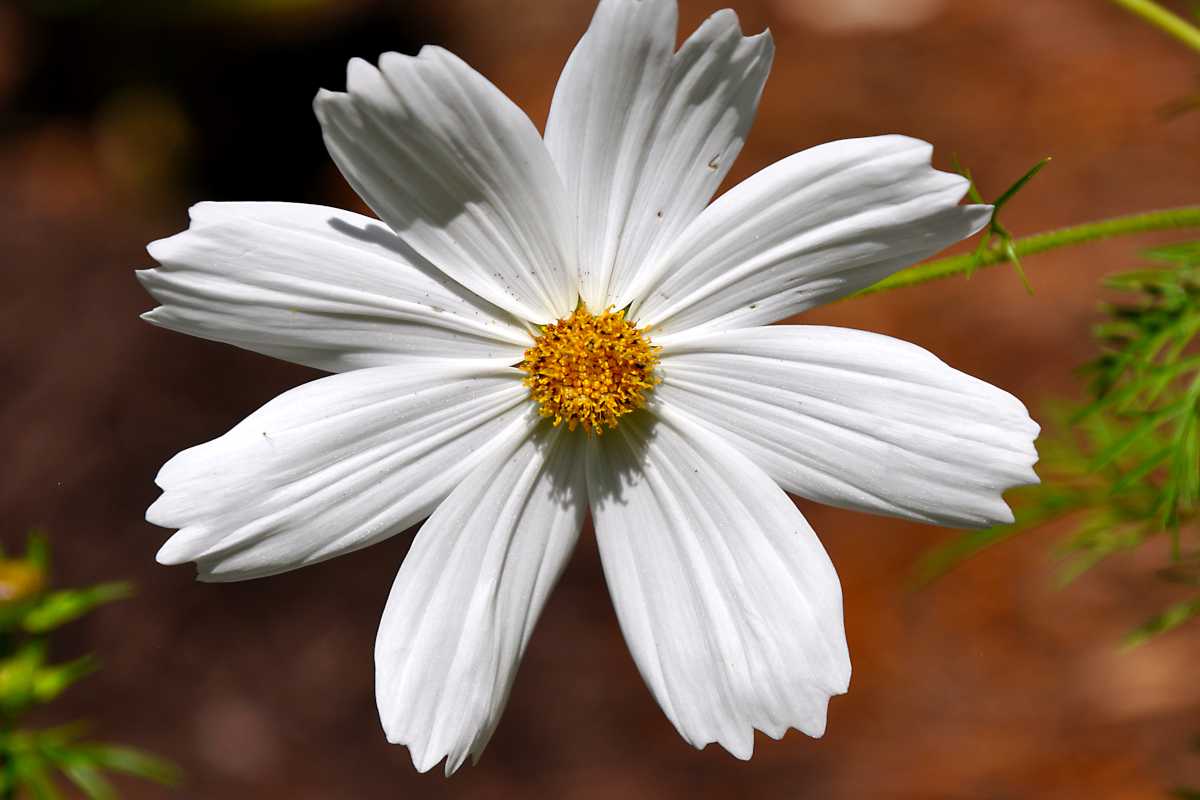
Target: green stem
[1164,20]
[1184,217]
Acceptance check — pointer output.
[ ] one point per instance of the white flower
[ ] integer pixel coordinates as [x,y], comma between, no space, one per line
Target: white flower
[458,349]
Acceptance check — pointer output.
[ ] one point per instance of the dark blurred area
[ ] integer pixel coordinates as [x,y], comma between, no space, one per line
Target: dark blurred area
[992,683]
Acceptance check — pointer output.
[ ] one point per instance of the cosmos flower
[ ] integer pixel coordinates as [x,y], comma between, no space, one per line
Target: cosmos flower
[537,327]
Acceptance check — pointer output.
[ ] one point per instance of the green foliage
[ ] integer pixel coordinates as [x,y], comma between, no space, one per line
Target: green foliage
[59,608]
[1004,242]
[32,762]
[1173,617]
[35,757]
[1124,469]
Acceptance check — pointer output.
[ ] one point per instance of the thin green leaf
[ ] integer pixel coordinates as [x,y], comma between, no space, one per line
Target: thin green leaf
[972,190]
[50,682]
[89,780]
[130,761]
[1101,536]
[1135,475]
[1170,619]
[59,608]
[1181,253]
[968,544]
[1020,183]
[1146,424]
[1016,262]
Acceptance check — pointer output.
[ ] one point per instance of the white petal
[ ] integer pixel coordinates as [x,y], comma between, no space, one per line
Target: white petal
[469,593]
[643,136]
[460,173]
[333,466]
[318,286]
[806,230]
[857,420]
[729,603]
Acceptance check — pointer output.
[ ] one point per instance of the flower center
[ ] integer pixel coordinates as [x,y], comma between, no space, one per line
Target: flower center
[589,370]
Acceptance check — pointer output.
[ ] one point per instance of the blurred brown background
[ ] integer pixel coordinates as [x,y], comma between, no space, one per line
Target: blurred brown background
[115,116]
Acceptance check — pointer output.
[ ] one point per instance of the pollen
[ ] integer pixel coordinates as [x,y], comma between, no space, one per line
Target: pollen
[589,370]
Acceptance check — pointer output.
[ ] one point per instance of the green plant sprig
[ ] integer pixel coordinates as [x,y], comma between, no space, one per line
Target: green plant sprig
[1124,468]
[1005,242]
[31,759]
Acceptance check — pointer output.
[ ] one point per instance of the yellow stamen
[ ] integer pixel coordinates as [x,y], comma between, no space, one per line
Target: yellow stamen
[589,370]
